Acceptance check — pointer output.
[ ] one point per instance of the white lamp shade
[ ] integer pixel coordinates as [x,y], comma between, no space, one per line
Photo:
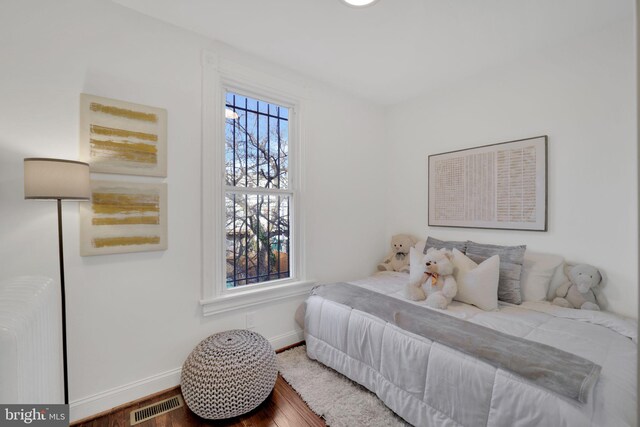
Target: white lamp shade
[56,179]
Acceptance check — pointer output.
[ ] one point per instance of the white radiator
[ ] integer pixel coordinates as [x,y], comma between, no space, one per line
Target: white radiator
[30,341]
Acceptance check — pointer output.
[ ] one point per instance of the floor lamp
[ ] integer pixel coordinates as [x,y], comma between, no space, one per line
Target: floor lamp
[56,179]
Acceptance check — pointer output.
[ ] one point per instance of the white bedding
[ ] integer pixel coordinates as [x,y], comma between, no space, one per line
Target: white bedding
[429,384]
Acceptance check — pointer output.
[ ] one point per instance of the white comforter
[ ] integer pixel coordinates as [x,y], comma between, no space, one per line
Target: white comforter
[429,384]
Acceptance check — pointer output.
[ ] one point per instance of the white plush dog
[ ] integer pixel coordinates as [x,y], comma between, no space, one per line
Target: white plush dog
[437,285]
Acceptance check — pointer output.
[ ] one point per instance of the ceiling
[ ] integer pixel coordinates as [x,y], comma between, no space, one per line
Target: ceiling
[395,49]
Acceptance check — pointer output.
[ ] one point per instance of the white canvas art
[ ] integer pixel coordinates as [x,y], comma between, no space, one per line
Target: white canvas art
[123,217]
[495,186]
[122,137]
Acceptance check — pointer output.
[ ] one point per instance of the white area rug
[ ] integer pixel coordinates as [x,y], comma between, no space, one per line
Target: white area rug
[337,399]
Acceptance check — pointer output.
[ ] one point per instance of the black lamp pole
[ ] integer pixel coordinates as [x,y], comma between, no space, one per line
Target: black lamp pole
[63,305]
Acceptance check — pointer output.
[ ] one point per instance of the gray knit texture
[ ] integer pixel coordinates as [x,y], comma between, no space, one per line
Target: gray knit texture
[228,374]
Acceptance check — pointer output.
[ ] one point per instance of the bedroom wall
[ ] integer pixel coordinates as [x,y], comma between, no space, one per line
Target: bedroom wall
[133,318]
[579,92]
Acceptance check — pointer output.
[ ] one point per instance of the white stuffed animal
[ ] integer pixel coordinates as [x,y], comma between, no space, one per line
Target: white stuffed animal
[437,285]
[398,258]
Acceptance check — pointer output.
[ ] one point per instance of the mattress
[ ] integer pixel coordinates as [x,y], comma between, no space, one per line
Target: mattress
[429,384]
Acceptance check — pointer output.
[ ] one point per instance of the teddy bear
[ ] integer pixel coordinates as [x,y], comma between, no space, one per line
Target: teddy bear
[581,289]
[398,258]
[437,284]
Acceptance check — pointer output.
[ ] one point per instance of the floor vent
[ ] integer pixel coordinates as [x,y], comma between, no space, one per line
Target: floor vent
[158,408]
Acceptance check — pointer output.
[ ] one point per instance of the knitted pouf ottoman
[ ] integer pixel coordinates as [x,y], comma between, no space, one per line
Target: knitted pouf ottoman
[228,374]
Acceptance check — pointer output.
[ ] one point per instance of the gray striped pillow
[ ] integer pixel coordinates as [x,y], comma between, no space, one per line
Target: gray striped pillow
[511,260]
[449,244]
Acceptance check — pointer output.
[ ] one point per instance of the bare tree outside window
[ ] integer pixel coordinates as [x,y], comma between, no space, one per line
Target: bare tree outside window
[257,196]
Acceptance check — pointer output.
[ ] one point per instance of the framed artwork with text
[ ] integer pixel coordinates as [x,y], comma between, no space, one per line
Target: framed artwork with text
[499,186]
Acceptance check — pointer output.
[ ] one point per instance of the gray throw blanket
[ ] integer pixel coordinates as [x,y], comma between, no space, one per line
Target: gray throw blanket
[540,364]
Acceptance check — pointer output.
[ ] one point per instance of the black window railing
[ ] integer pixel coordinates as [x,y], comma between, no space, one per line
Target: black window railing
[257,191]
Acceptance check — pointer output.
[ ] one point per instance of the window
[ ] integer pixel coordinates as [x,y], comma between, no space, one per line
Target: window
[252,187]
[258,197]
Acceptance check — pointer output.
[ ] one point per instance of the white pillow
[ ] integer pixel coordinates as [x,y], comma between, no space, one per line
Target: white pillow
[416,270]
[477,284]
[558,278]
[420,245]
[537,271]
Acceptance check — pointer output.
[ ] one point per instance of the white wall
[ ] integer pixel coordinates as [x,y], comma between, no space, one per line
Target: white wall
[133,318]
[581,93]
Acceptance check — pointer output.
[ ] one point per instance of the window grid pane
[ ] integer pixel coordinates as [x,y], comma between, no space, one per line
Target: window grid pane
[257,143]
[258,236]
[257,225]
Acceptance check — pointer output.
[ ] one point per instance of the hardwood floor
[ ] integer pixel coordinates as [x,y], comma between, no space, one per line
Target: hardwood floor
[283,408]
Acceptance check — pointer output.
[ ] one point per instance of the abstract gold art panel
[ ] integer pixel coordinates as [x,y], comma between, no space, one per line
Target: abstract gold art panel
[123,138]
[123,217]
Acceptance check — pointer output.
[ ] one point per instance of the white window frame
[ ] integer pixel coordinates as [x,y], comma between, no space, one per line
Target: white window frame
[220,76]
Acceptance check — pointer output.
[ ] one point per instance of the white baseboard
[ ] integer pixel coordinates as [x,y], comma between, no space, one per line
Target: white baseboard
[100,402]
[103,401]
[291,337]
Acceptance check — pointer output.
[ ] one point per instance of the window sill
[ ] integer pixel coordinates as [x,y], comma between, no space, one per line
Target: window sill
[239,301]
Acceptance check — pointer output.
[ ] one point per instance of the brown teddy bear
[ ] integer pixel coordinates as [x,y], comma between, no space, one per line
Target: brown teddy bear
[398,258]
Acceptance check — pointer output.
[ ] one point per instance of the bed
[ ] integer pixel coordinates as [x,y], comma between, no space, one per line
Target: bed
[430,384]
